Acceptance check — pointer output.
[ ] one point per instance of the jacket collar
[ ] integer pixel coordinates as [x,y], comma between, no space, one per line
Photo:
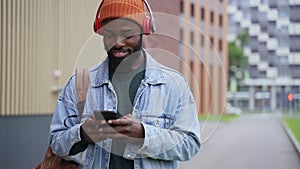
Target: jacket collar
[153,73]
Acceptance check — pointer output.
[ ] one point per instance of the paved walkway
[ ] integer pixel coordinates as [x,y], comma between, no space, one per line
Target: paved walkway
[250,142]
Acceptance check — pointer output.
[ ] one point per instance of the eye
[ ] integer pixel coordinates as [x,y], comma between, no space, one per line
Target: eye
[128,36]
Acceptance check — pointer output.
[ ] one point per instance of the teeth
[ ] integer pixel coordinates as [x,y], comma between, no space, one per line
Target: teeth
[120,53]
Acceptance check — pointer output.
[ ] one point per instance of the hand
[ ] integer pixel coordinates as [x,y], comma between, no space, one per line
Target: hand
[94,130]
[128,129]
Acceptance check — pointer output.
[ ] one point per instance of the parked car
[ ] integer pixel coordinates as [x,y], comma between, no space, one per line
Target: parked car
[232,110]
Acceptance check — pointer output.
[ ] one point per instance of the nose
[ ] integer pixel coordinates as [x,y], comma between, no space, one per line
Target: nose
[120,42]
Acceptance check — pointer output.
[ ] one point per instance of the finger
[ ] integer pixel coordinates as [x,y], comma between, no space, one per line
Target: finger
[97,128]
[93,117]
[101,133]
[106,129]
[91,129]
[128,117]
[101,123]
[93,122]
[119,122]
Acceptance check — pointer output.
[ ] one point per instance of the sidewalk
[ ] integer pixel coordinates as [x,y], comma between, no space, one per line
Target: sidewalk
[252,141]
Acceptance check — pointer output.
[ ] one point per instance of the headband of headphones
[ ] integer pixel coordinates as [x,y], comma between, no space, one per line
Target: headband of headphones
[149,25]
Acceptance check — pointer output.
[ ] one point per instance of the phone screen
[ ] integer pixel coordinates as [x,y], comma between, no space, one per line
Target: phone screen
[106,115]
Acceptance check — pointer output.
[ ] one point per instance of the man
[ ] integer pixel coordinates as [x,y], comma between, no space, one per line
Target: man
[158,123]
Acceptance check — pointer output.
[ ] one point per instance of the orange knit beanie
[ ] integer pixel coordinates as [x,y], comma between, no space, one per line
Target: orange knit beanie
[131,9]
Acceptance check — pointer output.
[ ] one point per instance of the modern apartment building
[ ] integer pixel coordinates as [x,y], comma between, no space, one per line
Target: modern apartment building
[196,37]
[273,52]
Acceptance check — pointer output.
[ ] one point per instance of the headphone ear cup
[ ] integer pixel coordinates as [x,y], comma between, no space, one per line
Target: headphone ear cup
[147,26]
[97,24]
[100,29]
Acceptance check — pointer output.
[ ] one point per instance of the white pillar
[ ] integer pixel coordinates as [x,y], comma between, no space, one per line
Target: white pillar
[273,98]
[251,98]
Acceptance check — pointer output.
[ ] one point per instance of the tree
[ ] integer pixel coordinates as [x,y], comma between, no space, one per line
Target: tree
[238,62]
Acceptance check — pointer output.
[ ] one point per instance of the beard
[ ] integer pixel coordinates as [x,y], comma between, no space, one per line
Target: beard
[126,61]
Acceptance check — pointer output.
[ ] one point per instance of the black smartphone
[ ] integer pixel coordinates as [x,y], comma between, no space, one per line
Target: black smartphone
[106,115]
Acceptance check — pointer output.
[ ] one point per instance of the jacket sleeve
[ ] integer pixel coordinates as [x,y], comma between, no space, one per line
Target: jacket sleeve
[181,141]
[65,127]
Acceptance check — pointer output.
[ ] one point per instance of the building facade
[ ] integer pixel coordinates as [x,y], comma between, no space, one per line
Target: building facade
[273,51]
[198,45]
[43,41]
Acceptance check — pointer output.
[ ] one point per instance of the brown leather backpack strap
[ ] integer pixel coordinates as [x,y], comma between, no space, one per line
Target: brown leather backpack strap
[52,161]
[82,84]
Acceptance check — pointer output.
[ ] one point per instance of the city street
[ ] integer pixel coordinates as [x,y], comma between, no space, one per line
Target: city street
[249,142]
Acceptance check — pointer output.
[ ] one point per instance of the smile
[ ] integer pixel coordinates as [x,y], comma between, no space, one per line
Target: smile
[120,53]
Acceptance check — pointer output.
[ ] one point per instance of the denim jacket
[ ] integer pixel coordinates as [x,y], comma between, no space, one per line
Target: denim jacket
[163,103]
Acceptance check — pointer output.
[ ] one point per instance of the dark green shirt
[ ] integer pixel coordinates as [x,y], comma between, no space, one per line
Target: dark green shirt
[125,84]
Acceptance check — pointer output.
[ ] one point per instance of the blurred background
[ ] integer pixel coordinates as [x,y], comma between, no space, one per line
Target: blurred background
[239,57]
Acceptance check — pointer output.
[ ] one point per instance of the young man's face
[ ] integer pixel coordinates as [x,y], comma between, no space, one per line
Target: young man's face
[122,37]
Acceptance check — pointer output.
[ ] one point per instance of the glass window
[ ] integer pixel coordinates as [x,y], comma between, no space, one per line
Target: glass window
[263,16]
[283,41]
[211,41]
[283,59]
[181,34]
[263,58]
[192,10]
[283,12]
[192,37]
[202,40]
[202,13]
[264,1]
[264,29]
[211,17]
[233,2]
[181,6]
[263,73]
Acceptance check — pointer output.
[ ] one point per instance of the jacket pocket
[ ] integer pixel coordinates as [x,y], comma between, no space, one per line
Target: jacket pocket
[162,120]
